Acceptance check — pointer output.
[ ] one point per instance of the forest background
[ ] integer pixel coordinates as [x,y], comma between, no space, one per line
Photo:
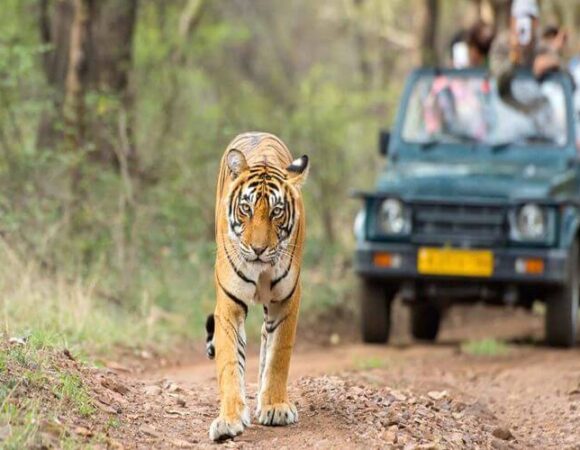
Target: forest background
[114,115]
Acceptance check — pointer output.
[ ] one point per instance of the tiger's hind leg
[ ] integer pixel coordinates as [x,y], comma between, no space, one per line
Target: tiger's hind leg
[278,334]
[230,355]
[209,344]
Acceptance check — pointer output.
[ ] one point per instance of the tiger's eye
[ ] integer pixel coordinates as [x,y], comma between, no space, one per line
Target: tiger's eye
[277,211]
[245,208]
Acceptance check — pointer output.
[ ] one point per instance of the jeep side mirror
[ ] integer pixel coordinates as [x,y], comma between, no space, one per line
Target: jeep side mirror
[384,137]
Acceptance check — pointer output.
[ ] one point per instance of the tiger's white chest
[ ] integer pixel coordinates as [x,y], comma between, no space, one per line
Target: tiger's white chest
[263,293]
[262,283]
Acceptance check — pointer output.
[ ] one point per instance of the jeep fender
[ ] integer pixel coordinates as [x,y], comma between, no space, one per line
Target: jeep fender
[569,225]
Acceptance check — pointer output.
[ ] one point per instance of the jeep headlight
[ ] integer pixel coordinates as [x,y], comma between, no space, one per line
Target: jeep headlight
[532,222]
[393,217]
[359,225]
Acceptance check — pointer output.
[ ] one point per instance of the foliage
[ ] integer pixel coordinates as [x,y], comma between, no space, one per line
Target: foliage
[70,389]
[30,378]
[485,347]
[130,258]
[372,362]
[102,255]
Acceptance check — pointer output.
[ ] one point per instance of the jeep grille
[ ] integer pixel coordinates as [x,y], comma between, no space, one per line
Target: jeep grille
[460,225]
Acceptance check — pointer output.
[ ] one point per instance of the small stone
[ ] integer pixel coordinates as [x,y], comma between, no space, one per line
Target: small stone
[398,396]
[82,431]
[502,433]
[437,395]
[172,387]
[152,390]
[456,437]
[358,391]
[104,406]
[389,436]
[114,386]
[499,445]
[17,341]
[428,446]
[175,412]
[150,431]
[115,366]
[181,443]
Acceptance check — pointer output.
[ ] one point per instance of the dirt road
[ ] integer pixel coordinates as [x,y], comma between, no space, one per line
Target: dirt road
[409,396]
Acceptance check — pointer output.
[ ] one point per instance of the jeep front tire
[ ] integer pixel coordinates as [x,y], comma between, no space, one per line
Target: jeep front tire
[562,307]
[376,299]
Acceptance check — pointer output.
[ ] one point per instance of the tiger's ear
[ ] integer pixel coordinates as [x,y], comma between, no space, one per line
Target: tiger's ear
[236,162]
[298,171]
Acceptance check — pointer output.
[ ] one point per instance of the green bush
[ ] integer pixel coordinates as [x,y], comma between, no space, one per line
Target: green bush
[129,258]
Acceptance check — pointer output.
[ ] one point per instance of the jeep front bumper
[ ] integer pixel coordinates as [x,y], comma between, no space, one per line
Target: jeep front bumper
[506,264]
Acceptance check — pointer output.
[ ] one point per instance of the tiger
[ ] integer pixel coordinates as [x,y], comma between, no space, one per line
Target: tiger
[259,231]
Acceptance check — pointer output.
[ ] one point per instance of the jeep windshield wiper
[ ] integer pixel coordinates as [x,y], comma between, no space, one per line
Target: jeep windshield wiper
[500,146]
[531,140]
[466,139]
[448,139]
[539,140]
[426,145]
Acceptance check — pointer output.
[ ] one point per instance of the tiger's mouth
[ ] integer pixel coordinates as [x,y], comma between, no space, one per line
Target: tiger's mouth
[269,257]
[261,260]
[258,260]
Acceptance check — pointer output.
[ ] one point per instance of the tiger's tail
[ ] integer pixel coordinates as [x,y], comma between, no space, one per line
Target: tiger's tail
[209,344]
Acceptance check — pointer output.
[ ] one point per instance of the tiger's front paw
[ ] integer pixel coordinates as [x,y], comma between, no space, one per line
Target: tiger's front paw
[222,428]
[278,414]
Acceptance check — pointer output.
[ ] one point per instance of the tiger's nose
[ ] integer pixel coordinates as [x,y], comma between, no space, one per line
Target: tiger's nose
[258,250]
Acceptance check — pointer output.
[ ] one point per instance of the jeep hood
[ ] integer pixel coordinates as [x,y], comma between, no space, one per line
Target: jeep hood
[497,181]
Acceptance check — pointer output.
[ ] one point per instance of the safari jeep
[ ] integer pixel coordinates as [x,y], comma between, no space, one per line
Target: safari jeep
[479,200]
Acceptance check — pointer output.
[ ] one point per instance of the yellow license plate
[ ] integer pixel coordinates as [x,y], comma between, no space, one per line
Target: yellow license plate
[450,261]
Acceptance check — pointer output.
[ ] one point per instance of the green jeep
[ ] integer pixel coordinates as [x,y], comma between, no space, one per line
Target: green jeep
[479,201]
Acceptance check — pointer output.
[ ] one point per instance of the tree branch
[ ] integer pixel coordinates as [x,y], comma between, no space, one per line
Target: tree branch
[190,17]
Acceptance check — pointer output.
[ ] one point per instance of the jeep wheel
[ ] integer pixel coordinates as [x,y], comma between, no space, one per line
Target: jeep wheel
[376,300]
[562,308]
[425,320]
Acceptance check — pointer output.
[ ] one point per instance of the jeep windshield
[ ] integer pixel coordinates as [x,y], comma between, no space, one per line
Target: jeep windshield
[467,109]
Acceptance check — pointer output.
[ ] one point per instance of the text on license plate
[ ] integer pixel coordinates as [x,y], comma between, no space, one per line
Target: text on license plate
[451,261]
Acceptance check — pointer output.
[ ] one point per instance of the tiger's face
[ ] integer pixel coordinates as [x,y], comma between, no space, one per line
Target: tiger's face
[262,209]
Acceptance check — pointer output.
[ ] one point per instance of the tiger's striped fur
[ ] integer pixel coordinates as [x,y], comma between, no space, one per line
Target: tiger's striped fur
[259,233]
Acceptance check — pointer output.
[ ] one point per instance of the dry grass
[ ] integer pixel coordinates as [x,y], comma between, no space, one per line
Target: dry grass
[57,311]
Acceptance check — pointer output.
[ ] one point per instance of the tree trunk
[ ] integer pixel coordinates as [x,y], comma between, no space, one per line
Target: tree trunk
[75,80]
[55,29]
[428,32]
[107,56]
[190,17]
[501,14]
[361,44]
